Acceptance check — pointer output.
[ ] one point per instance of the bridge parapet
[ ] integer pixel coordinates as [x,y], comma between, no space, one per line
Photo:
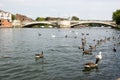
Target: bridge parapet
[64,24]
[68,24]
[109,23]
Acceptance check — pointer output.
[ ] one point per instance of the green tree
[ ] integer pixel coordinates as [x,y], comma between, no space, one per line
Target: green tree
[116,16]
[74,18]
[40,19]
[13,17]
[47,18]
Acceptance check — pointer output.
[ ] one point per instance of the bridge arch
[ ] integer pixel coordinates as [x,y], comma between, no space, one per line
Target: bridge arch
[30,24]
[93,22]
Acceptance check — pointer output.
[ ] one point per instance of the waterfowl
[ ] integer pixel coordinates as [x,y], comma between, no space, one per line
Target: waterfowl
[39,34]
[87,34]
[66,36]
[80,47]
[118,43]
[98,57]
[92,47]
[108,39]
[114,49]
[38,56]
[53,36]
[91,65]
[94,40]
[7,56]
[76,33]
[75,37]
[87,52]
[83,41]
[82,33]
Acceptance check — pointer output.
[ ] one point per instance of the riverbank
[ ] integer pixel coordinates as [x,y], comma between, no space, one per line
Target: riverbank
[6,27]
[118,26]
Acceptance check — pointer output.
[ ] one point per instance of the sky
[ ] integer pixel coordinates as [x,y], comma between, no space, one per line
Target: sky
[84,9]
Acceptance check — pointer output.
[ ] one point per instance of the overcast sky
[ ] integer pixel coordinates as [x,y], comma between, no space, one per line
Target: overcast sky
[84,9]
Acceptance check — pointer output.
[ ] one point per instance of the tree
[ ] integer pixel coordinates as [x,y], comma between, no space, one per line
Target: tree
[116,16]
[74,18]
[40,19]
[13,17]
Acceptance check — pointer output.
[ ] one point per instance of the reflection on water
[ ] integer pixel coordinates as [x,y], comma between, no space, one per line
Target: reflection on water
[62,58]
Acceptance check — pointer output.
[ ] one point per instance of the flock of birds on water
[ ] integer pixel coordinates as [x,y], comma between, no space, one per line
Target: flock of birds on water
[89,65]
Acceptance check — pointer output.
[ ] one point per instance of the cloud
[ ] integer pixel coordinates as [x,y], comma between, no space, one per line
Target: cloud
[85,9]
[1,5]
[17,1]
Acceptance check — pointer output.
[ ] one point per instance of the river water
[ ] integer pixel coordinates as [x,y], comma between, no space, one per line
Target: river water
[62,58]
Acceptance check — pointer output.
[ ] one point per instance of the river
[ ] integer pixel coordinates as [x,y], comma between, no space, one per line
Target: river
[62,58]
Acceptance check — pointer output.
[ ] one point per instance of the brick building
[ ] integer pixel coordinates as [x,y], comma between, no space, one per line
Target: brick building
[5,19]
[23,18]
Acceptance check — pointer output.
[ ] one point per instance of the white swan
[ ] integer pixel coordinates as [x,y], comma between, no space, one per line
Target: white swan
[53,36]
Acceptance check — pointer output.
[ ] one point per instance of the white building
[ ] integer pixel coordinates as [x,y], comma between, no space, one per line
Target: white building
[16,23]
[5,15]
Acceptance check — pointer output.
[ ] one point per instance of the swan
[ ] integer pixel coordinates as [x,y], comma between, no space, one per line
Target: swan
[99,56]
[53,36]
[76,33]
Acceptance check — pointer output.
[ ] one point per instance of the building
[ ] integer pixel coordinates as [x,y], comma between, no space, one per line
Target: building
[16,23]
[23,18]
[5,19]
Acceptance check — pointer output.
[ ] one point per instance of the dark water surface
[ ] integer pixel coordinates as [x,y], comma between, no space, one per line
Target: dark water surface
[62,58]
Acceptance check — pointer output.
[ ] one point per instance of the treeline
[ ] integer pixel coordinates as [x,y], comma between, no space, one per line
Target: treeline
[55,18]
[49,18]
[116,16]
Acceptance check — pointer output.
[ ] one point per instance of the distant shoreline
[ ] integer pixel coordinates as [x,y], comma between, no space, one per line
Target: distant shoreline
[5,27]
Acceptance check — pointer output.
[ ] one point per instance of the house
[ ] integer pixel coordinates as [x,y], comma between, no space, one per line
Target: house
[5,19]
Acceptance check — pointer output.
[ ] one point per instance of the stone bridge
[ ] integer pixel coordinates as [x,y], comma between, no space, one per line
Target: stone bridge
[69,24]
[108,23]
[26,24]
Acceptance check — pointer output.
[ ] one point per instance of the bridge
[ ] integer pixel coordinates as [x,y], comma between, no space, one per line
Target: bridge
[103,22]
[70,24]
[26,24]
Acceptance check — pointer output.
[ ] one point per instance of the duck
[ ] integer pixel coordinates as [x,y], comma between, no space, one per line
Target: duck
[38,56]
[91,65]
